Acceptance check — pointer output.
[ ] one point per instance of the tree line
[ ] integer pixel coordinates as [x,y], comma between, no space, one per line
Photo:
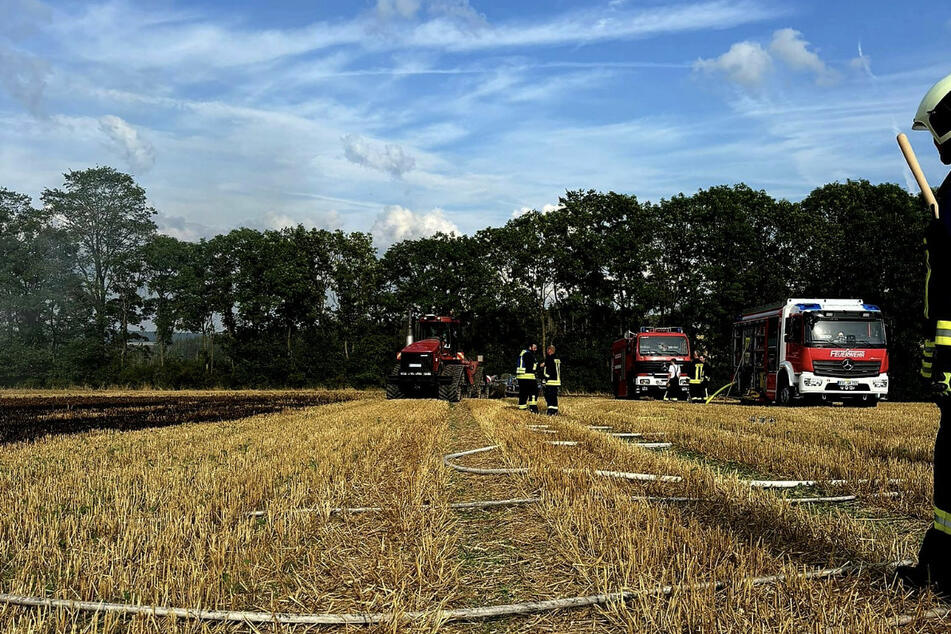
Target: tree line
[82,274]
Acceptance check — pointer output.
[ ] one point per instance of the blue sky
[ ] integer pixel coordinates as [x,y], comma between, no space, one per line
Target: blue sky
[405,117]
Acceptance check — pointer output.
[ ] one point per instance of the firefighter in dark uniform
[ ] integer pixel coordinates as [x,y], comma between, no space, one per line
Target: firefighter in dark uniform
[551,381]
[934,558]
[699,383]
[527,383]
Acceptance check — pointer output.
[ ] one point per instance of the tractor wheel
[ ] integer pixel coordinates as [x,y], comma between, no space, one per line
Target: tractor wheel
[478,384]
[452,391]
[393,389]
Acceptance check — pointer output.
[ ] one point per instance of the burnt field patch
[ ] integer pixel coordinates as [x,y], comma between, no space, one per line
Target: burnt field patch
[29,417]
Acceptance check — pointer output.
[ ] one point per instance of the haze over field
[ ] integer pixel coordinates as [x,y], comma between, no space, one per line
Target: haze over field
[407,117]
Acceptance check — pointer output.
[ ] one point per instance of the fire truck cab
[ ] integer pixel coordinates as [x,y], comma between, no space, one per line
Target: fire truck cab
[812,349]
[640,361]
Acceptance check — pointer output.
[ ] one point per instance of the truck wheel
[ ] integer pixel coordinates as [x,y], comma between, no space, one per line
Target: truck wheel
[784,391]
[632,393]
[452,391]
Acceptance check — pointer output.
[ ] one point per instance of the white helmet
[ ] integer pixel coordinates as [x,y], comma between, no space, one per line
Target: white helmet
[934,113]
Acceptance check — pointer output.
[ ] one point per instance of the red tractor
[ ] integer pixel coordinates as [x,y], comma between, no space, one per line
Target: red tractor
[432,365]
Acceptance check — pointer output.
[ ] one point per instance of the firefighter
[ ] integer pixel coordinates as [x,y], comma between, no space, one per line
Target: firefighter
[525,374]
[699,383]
[551,370]
[673,381]
[934,558]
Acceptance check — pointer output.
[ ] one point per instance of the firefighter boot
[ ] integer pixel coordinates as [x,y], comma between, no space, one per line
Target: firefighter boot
[933,570]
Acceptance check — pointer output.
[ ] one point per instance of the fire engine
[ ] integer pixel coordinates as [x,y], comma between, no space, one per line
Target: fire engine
[812,349]
[640,361]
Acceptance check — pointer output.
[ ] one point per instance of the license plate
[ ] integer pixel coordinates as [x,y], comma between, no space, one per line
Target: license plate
[415,365]
[848,384]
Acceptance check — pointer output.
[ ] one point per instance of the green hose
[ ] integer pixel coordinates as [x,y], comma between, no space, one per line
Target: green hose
[714,395]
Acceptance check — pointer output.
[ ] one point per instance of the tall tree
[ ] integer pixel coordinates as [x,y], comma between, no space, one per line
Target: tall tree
[108,218]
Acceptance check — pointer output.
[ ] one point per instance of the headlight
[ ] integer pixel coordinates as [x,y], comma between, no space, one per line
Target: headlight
[810,382]
[644,381]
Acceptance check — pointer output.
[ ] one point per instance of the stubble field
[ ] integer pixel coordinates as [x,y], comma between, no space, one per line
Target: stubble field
[324,502]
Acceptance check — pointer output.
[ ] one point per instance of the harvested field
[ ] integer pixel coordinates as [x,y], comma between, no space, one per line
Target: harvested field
[258,513]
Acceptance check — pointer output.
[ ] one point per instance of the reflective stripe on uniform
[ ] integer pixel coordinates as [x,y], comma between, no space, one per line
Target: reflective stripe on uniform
[942,521]
[942,336]
[557,380]
[523,406]
[553,409]
[926,356]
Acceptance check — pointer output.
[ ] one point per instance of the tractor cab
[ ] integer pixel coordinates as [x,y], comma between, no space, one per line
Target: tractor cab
[445,330]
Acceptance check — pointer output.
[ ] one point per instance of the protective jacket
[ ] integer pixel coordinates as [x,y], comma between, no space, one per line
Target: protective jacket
[552,369]
[526,365]
[935,554]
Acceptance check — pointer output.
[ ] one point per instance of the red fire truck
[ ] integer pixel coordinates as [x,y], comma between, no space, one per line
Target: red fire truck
[813,350]
[640,361]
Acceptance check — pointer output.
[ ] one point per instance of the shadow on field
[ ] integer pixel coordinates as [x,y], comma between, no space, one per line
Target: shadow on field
[28,418]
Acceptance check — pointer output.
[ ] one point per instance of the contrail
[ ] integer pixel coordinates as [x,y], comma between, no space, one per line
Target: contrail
[866,65]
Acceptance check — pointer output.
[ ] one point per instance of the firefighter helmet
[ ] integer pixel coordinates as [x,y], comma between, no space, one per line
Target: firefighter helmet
[934,113]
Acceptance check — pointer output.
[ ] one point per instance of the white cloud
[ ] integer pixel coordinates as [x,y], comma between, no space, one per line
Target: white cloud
[183,229]
[396,223]
[745,63]
[749,63]
[546,208]
[137,152]
[589,26]
[459,10]
[401,8]
[390,158]
[282,220]
[137,38]
[789,46]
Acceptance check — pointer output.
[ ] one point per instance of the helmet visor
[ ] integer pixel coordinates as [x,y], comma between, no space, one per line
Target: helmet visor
[940,117]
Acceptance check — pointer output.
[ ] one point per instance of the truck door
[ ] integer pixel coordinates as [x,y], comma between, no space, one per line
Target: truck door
[793,339]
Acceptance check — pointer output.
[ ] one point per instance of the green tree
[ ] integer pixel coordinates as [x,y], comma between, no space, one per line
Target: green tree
[107,217]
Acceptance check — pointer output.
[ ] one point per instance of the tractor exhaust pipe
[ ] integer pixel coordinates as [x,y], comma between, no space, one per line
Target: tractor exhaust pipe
[409,329]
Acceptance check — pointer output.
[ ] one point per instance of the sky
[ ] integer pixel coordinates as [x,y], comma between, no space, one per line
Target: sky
[408,117]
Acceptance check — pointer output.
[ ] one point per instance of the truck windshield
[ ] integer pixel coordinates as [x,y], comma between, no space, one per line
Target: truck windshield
[667,346]
[868,333]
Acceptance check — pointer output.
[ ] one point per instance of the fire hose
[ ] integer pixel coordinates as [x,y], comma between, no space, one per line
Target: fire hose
[460,614]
